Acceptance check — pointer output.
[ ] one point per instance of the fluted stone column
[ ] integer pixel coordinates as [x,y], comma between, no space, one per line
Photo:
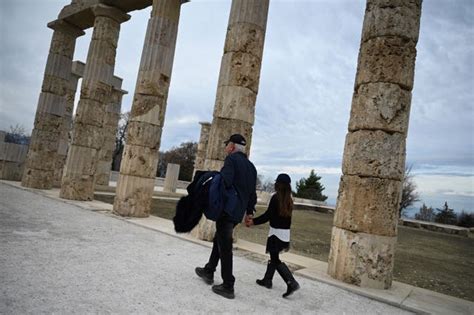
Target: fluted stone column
[52,108]
[66,123]
[234,110]
[140,157]
[202,146]
[87,139]
[365,223]
[112,118]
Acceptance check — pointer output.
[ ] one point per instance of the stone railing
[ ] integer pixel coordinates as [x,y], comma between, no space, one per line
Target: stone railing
[12,158]
[437,227]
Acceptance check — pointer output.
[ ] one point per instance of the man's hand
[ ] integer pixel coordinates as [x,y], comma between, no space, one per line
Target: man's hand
[248,220]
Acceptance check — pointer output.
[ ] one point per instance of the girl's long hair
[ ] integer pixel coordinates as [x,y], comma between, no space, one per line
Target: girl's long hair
[285,202]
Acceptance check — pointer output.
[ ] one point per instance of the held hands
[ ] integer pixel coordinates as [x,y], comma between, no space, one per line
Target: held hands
[248,220]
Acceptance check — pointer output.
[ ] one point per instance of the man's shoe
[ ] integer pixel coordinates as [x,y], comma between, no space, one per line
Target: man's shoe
[223,291]
[205,274]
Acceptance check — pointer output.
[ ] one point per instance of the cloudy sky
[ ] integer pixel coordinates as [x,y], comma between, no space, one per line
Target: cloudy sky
[306,85]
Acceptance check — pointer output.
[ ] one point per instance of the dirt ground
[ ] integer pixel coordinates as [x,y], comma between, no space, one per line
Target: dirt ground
[431,260]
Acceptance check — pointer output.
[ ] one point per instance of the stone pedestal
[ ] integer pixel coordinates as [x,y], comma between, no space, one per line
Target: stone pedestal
[112,117]
[52,109]
[365,222]
[140,157]
[87,139]
[202,146]
[171,179]
[234,110]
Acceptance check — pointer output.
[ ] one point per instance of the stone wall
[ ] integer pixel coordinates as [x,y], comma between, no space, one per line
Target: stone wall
[12,159]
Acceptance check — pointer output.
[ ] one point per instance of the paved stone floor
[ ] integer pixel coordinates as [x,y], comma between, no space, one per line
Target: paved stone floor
[60,258]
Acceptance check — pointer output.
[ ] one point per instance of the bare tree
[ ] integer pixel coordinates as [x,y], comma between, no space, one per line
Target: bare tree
[409,193]
[17,135]
[120,139]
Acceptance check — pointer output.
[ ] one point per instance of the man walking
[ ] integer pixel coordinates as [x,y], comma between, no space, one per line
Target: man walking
[238,172]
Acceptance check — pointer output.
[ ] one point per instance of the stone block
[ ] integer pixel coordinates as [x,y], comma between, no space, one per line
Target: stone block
[96,91]
[144,134]
[166,10]
[90,112]
[41,160]
[152,83]
[368,205]
[245,37]
[387,59]
[139,161]
[81,161]
[54,85]
[221,132]
[133,196]
[171,179]
[375,154]
[77,187]
[213,165]
[157,58]
[44,140]
[361,259]
[11,170]
[49,123]
[163,31]
[389,18]
[62,44]
[59,66]
[249,11]
[383,106]
[87,136]
[148,108]
[240,69]
[235,102]
[52,104]
[107,30]
[38,179]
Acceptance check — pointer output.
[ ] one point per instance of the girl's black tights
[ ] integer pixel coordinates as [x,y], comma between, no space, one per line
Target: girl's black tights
[274,258]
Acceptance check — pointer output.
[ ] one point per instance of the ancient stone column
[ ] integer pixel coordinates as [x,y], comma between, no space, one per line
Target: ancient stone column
[365,223]
[171,179]
[112,118]
[140,157]
[66,123]
[234,110]
[52,108]
[87,139]
[202,146]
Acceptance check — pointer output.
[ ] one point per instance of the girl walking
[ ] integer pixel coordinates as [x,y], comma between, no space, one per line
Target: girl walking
[279,214]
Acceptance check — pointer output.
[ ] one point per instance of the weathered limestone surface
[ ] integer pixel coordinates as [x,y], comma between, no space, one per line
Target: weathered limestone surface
[12,159]
[139,160]
[52,108]
[366,217]
[110,125]
[81,164]
[239,76]
[202,146]
[374,153]
[368,205]
[362,259]
[171,179]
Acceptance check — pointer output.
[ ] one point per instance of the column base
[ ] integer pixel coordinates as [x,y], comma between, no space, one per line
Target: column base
[365,260]
[133,196]
[38,179]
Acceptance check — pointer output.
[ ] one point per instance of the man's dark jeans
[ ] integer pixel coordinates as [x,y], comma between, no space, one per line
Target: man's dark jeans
[222,249]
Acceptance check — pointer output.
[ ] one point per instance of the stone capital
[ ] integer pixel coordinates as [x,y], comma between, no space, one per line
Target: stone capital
[111,12]
[65,27]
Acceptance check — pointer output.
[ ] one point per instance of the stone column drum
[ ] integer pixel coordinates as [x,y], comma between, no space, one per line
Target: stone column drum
[52,108]
[87,139]
[66,124]
[112,117]
[365,223]
[140,157]
[202,146]
[234,109]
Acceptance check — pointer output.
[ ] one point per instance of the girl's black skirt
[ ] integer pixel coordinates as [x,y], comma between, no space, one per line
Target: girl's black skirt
[274,244]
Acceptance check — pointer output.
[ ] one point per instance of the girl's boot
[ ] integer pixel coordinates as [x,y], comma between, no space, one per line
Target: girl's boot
[290,281]
[267,279]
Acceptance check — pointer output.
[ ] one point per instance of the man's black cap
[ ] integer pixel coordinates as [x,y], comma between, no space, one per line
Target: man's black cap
[236,138]
[283,178]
